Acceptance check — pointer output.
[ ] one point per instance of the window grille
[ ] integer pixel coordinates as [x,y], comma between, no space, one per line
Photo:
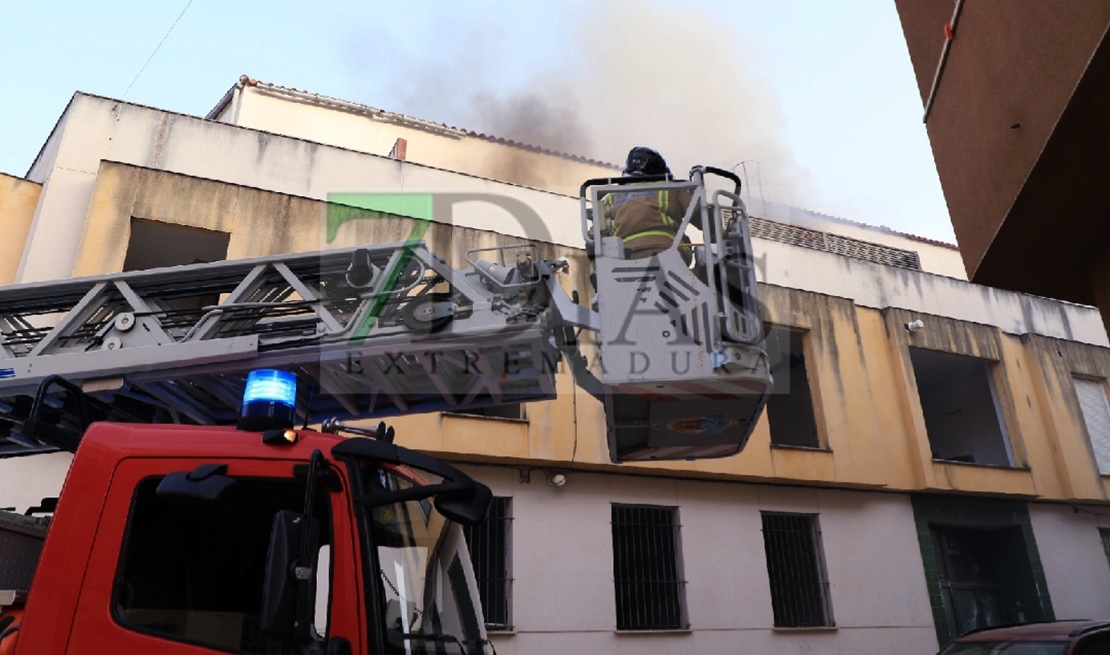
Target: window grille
[646,570]
[796,569]
[488,543]
[834,243]
[1096,416]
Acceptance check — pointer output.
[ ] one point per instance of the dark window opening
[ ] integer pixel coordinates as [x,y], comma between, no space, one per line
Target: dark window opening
[195,572]
[790,405]
[960,405]
[796,570]
[489,545]
[511,410]
[985,577]
[154,244]
[646,568]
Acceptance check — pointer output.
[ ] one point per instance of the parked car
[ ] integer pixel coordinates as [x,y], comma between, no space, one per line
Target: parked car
[1047,638]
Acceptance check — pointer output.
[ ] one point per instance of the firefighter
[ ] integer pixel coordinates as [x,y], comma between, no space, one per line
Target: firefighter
[646,220]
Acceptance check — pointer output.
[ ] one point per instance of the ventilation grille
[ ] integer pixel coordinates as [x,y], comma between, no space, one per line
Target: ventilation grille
[836,244]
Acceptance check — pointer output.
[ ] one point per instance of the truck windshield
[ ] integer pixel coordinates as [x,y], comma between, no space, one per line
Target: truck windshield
[427,597]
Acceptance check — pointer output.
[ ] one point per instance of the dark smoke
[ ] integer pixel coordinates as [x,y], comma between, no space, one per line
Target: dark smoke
[633,72]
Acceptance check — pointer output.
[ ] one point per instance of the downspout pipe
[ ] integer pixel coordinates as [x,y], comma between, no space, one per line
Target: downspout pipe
[949,35]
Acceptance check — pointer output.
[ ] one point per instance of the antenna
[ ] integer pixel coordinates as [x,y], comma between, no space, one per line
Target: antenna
[753,178]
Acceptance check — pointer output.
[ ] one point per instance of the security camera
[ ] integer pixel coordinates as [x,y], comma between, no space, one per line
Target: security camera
[556,479]
[914,326]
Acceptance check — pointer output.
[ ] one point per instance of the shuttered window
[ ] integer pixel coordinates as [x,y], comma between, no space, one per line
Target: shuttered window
[1096,416]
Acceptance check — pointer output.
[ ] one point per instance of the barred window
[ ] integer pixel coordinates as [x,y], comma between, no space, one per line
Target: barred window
[489,545]
[796,569]
[647,571]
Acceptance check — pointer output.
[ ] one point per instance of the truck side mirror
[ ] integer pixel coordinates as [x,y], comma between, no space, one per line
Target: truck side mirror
[467,507]
[284,574]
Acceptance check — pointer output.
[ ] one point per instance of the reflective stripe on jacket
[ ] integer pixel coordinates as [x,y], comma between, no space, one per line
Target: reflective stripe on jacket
[635,214]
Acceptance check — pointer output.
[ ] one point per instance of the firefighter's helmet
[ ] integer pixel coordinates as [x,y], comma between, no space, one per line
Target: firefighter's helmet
[645,161]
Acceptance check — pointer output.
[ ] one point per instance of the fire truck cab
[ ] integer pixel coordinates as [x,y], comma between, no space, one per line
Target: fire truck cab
[189,539]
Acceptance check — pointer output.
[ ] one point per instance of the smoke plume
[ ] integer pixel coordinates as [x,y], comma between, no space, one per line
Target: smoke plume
[634,72]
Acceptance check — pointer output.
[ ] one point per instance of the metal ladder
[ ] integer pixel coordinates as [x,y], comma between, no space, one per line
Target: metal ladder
[371,331]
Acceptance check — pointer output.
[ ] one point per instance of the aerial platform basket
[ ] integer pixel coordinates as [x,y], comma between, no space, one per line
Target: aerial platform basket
[683,369]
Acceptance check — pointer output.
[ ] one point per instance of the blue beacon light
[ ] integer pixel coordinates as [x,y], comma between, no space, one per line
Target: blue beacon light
[269,400]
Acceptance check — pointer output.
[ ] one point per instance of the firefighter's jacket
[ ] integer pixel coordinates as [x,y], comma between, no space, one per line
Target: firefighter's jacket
[646,221]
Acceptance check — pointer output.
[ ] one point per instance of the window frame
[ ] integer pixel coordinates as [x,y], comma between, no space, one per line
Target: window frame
[1000,398]
[806,338]
[676,608]
[820,572]
[1103,467]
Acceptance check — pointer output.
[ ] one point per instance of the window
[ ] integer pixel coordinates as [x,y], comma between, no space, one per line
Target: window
[489,545]
[195,571]
[790,405]
[1096,417]
[154,244]
[796,569]
[960,404]
[646,568]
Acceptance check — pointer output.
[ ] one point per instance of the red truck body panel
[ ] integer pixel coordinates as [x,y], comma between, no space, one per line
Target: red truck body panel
[69,607]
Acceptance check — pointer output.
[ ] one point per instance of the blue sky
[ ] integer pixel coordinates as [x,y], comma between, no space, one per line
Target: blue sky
[822,94]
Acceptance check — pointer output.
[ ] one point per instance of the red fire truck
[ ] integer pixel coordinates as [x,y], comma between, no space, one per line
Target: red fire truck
[175,535]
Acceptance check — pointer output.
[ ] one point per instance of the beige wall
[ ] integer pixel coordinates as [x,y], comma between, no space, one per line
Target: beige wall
[116,131]
[18,199]
[866,401]
[335,122]
[266,191]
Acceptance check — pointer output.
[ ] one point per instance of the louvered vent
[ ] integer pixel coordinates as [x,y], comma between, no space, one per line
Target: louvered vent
[817,240]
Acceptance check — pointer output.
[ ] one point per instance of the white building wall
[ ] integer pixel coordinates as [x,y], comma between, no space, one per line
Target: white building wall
[935,257]
[1075,563]
[312,117]
[141,136]
[879,287]
[563,567]
[27,480]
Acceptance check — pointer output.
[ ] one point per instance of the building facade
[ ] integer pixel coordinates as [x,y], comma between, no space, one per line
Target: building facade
[1014,95]
[934,457]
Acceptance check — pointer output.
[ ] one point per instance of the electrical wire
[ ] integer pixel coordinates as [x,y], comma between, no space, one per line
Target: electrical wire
[1077,509]
[156,48]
